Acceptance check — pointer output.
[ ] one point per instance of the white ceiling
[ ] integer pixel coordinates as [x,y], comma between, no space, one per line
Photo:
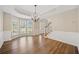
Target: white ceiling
[26,11]
[40,8]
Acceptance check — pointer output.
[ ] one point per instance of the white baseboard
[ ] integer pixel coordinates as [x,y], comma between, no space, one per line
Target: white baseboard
[1,39]
[1,43]
[67,37]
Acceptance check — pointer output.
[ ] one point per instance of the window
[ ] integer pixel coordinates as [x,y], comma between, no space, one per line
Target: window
[29,26]
[15,27]
[21,27]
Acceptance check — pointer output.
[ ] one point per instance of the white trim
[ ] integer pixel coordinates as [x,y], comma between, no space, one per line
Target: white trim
[1,44]
[66,37]
[1,39]
[7,35]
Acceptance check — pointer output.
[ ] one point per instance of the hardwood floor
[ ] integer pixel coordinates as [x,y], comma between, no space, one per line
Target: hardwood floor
[37,45]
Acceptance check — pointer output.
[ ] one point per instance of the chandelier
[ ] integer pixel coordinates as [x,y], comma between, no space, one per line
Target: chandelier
[35,16]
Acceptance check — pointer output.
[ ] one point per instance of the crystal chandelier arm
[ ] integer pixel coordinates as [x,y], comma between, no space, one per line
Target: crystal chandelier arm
[35,16]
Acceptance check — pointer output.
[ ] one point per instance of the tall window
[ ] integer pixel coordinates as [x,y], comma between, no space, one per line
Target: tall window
[29,26]
[15,27]
[21,27]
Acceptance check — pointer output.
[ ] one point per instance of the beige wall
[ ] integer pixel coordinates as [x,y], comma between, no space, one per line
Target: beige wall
[66,21]
[7,22]
[78,20]
[1,29]
[35,28]
[1,21]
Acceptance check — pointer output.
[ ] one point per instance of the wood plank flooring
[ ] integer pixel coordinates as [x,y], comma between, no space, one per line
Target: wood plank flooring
[37,45]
